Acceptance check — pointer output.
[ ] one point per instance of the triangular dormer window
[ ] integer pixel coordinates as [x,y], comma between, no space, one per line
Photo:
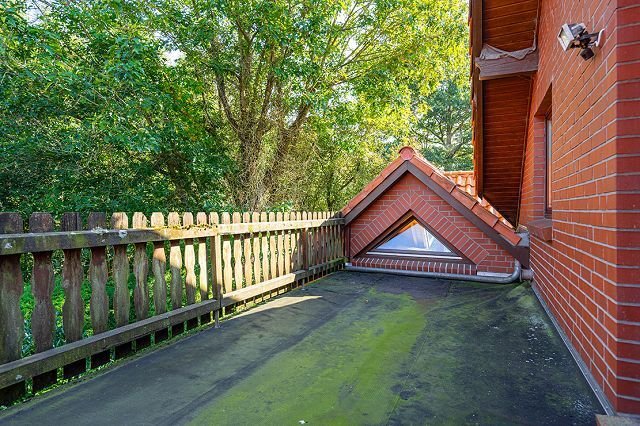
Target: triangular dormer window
[413,239]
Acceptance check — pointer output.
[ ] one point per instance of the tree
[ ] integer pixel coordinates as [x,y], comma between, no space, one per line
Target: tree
[267,65]
[444,129]
[91,116]
[339,152]
[261,104]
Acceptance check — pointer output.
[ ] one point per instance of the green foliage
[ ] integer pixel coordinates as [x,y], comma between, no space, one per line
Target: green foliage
[91,118]
[444,130]
[208,104]
[276,70]
[340,153]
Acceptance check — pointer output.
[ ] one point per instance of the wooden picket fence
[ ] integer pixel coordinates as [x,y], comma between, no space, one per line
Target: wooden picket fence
[239,258]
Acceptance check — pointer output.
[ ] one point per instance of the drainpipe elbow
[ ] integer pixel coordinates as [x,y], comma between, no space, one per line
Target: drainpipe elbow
[526,274]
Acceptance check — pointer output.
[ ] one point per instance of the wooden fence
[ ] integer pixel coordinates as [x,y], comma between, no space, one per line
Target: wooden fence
[180,273]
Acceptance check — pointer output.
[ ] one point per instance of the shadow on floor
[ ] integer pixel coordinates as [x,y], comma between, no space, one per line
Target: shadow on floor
[351,348]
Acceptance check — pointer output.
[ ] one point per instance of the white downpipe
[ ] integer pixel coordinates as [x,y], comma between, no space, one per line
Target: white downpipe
[517,274]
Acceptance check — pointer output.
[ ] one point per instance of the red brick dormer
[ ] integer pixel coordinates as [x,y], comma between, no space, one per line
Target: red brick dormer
[411,202]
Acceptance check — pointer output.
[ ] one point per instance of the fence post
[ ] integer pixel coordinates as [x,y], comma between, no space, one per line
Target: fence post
[159,268]
[247,250]
[43,318]
[203,281]
[297,247]
[257,273]
[216,262]
[73,307]
[175,264]
[120,273]
[304,250]
[141,272]
[280,247]
[98,274]
[11,319]
[266,270]
[190,268]
[121,297]
[226,259]
[237,254]
[273,251]
[189,261]
[344,246]
[287,247]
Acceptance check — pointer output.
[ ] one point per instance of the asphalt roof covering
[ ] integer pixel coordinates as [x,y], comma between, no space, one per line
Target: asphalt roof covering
[352,348]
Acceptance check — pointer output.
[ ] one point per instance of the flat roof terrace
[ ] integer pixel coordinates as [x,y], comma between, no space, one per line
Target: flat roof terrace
[351,348]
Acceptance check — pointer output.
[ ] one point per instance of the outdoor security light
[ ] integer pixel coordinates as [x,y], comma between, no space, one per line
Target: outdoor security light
[576,35]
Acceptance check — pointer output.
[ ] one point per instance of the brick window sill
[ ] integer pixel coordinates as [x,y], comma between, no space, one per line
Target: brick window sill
[541,228]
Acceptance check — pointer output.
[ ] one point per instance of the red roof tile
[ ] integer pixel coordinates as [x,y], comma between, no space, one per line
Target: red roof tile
[466,181]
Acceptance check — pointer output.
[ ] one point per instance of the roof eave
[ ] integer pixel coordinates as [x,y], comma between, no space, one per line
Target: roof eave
[475,20]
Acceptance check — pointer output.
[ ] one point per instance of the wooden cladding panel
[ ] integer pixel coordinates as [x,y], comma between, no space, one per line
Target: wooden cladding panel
[504,123]
[509,24]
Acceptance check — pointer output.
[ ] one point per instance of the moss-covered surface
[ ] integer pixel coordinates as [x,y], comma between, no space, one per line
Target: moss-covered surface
[482,354]
[349,349]
[342,373]
[489,355]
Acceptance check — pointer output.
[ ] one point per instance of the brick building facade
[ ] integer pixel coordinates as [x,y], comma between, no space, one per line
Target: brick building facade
[574,145]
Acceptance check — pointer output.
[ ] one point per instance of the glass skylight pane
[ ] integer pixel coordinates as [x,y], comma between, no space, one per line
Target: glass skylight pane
[414,237]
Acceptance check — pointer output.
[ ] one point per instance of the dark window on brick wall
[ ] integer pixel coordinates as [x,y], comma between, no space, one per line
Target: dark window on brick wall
[548,142]
[543,114]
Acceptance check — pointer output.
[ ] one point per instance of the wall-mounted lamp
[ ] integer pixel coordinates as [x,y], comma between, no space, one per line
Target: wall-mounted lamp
[576,35]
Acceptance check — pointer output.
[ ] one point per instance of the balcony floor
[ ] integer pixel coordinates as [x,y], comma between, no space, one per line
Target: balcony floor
[352,348]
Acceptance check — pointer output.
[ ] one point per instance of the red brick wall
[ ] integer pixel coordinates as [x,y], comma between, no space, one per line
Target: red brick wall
[414,265]
[409,194]
[532,197]
[589,274]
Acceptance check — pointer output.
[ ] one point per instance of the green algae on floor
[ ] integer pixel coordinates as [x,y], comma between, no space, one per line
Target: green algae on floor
[348,349]
[489,355]
[342,373]
[405,353]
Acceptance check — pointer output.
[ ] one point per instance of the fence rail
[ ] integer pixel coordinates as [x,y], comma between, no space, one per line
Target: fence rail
[126,287]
